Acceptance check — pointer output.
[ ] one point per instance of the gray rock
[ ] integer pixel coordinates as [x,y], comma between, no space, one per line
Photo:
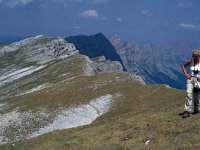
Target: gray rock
[40,49]
[101,65]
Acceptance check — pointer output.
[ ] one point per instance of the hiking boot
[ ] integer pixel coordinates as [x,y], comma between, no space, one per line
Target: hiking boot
[195,112]
[186,114]
[182,113]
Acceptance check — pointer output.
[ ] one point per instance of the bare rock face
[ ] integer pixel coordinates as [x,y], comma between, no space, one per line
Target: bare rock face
[40,49]
[101,65]
[51,50]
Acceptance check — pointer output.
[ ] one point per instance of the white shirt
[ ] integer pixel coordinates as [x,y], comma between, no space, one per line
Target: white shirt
[195,70]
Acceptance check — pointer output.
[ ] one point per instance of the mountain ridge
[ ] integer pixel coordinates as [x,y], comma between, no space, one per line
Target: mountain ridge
[102,108]
[158,63]
[40,84]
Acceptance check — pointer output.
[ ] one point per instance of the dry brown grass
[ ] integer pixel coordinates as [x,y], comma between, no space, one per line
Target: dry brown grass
[142,113]
[139,114]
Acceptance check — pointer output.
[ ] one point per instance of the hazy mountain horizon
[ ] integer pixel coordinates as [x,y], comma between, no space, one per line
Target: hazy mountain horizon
[14,38]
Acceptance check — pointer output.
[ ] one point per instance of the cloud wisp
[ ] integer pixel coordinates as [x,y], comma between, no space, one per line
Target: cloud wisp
[16,3]
[91,13]
[190,26]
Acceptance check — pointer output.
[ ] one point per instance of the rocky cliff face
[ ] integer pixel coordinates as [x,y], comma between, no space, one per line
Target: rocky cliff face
[101,65]
[39,49]
[155,63]
[95,46]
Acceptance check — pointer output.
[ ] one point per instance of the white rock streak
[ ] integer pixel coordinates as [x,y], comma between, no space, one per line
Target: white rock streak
[18,74]
[38,88]
[88,68]
[68,118]
[78,116]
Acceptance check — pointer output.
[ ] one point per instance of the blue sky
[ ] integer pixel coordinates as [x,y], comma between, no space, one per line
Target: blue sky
[137,20]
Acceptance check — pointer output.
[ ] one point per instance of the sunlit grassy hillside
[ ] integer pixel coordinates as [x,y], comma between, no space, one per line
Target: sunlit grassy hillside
[141,117]
[101,110]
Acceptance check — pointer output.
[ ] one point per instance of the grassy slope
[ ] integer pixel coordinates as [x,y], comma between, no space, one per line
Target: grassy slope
[139,114]
[142,113]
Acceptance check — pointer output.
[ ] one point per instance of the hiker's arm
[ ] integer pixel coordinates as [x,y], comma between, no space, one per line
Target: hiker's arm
[184,68]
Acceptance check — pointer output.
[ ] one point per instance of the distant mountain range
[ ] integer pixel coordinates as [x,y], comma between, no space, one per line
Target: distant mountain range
[158,63]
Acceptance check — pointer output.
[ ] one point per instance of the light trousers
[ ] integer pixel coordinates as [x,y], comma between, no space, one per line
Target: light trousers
[192,94]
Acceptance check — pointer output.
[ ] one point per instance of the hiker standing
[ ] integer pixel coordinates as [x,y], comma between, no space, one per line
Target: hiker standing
[193,84]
